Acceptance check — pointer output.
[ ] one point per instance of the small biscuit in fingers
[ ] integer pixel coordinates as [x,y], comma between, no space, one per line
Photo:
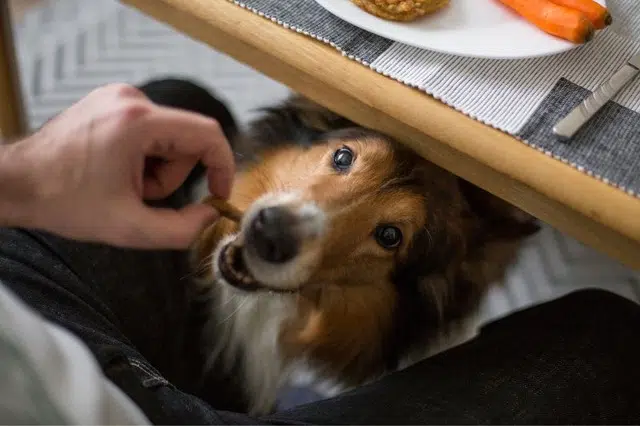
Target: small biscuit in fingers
[224,208]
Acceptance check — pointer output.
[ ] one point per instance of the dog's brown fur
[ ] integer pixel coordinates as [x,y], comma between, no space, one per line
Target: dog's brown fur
[365,308]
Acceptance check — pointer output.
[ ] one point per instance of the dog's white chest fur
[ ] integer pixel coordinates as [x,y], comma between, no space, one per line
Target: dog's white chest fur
[248,326]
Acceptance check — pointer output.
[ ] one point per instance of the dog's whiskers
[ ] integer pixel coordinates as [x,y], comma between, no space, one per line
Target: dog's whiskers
[240,305]
[228,301]
[199,268]
[431,243]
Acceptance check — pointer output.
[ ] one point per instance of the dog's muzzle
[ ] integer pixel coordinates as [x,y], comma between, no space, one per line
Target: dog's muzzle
[273,235]
[278,245]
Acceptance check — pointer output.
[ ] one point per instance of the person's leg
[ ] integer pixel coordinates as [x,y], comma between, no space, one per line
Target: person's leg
[129,308]
[575,360]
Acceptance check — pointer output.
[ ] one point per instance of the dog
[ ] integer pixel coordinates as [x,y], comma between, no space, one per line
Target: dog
[355,257]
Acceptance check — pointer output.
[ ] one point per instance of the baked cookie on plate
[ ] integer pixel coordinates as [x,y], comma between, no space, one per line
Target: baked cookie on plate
[400,10]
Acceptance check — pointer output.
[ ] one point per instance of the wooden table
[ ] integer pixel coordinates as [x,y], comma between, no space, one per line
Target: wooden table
[12,117]
[591,211]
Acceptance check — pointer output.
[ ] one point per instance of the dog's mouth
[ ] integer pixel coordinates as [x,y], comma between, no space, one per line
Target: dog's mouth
[234,270]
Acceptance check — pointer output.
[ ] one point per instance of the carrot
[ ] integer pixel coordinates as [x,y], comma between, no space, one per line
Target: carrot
[560,21]
[597,14]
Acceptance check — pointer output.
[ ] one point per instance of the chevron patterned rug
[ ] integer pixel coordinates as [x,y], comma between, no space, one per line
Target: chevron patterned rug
[66,48]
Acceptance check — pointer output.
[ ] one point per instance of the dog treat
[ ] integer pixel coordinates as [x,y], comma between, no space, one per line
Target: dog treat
[225,208]
[400,10]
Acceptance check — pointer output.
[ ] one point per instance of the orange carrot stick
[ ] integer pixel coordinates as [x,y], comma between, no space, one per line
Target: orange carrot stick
[597,14]
[560,21]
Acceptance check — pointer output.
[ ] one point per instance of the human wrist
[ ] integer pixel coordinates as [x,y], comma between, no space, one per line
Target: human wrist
[17,184]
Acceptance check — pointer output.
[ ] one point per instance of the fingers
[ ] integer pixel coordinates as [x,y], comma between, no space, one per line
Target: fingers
[220,182]
[163,178]
[156,228]
[174,134]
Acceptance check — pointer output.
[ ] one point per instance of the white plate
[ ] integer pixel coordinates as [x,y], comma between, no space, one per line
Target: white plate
[476,28]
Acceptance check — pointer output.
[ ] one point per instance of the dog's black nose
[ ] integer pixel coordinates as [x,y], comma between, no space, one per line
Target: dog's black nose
[272,235]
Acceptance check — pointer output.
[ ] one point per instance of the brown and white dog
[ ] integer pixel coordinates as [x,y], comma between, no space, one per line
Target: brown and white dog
[355,257]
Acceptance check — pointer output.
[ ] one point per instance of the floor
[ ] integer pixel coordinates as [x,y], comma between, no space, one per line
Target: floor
[68,47]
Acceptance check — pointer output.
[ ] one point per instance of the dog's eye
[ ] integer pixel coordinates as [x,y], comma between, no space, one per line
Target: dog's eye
[388,237]
[343,159]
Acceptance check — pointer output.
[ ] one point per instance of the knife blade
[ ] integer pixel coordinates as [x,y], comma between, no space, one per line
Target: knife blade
[580,115]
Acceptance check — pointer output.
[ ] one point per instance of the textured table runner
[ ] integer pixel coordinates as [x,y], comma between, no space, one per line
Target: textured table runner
[524,98]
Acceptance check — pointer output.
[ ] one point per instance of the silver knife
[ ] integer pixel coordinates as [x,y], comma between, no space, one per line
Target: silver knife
[568,126]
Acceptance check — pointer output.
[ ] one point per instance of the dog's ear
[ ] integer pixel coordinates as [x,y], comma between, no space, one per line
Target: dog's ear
[443,243]
[499,220]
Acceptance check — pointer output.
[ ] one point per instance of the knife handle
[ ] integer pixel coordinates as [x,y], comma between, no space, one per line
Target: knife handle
[568,126]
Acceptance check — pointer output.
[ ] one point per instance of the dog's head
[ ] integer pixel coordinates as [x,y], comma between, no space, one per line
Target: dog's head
[377,248]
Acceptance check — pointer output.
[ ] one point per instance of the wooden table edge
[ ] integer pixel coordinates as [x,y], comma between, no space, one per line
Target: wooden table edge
[596,213]
[13,122]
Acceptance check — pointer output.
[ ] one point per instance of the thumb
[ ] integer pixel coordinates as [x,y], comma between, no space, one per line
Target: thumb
[164,228]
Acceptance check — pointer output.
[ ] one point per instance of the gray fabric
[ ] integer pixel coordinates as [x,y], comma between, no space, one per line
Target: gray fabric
[625,21]
[609,144]
[24,399]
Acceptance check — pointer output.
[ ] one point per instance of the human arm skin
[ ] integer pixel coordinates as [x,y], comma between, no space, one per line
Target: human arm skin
[83,174]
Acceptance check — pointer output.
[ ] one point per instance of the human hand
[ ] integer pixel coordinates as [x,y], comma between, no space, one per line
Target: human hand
[88,177]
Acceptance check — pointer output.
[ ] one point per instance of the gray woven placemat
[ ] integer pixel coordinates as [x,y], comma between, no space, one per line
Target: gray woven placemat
[524,98]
